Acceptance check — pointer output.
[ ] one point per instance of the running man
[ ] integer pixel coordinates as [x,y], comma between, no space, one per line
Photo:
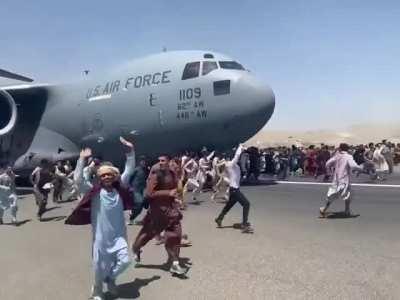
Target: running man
[342,163]
[235,195]
[103,207]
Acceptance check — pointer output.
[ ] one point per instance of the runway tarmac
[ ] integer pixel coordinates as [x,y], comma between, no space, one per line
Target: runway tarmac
[292,254]
[361,179]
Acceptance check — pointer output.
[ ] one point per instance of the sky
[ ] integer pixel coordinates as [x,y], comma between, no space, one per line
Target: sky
[330,63]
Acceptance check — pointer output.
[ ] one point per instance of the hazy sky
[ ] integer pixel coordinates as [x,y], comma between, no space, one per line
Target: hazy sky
[330,63]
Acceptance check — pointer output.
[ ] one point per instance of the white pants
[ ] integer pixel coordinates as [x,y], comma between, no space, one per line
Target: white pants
[340,191]
[223,182]
[192,184]
[110,265]
[9,203]
[70,190]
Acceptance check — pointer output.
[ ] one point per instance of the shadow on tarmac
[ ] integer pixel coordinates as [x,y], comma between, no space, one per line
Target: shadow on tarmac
[52,208]
[19,223]
[163,267]
[260,182]
[185,261]
[55,219]
[227,226]
[131,290]
[24,192]
[340,215]
[196,203]
[67,201]
[23,222]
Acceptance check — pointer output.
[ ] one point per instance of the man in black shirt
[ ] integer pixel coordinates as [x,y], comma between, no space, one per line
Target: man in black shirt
[41,179]
[138,184]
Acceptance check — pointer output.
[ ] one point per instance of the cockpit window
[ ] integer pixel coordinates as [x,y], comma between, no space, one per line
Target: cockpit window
[232,65]
[209,66]
[191,70]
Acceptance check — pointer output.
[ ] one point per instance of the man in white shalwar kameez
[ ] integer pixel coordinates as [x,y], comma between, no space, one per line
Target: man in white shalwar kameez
[191,169]
[103,207]
[381,165]
[204,169]
[221,179]
[342,163]
[8,195]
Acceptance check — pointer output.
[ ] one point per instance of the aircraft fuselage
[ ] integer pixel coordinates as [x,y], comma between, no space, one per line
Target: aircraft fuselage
[167,103]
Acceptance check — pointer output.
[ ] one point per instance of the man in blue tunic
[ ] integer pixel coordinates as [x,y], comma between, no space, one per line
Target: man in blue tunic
[103,207]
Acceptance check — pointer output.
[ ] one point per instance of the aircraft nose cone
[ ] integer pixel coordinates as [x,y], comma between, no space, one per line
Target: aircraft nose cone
[260,99]
[254,106]
[265,100]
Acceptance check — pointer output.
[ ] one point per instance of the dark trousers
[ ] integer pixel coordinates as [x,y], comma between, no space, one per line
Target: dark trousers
[57,192]
[152,228]
[41,200]
[235,195]
[138,205]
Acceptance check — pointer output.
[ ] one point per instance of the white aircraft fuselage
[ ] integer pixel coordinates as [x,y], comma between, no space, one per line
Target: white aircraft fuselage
[166,103]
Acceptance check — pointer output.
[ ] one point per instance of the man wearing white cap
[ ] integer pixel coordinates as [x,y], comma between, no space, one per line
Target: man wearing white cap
[103,207]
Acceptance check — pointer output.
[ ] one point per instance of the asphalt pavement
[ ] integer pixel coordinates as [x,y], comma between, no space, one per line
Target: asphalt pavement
[291,255]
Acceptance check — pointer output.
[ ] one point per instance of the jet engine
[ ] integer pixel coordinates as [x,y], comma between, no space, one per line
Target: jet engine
[8,113]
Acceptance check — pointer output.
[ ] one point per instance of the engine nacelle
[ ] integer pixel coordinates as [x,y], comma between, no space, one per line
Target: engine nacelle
[8,113]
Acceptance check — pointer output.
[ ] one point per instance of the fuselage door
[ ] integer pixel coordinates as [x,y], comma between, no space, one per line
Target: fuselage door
[156,109]
[95,123]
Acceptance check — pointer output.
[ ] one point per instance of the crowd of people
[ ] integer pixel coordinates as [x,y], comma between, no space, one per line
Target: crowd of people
[164,188]
[377,160]
[103,194]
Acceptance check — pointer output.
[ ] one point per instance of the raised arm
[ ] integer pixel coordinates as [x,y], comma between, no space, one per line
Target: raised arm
[130,162]
[211,155]
[34,177]
[79,178]
[190,166]
[238,152]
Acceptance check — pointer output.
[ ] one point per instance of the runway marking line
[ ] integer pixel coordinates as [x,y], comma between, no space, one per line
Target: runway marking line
[328,184]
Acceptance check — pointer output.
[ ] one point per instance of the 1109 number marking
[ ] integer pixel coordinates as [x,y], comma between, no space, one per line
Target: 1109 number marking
[187,94]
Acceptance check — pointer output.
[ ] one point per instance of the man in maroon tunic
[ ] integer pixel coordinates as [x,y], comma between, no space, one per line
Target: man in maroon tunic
[163,214]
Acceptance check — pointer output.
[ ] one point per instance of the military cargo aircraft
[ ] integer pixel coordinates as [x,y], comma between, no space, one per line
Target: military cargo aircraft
[167,103]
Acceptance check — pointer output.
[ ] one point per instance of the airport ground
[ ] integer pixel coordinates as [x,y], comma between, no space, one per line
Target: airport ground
[291,255]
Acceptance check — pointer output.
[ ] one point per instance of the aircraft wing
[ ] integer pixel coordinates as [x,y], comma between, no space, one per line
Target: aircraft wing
[22,138]
[27,88]
[15,76]
[21,110]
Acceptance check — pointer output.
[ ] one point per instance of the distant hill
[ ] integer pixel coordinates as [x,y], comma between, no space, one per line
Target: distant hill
[356,134]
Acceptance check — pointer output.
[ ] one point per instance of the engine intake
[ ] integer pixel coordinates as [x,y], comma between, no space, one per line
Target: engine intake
[8,113]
